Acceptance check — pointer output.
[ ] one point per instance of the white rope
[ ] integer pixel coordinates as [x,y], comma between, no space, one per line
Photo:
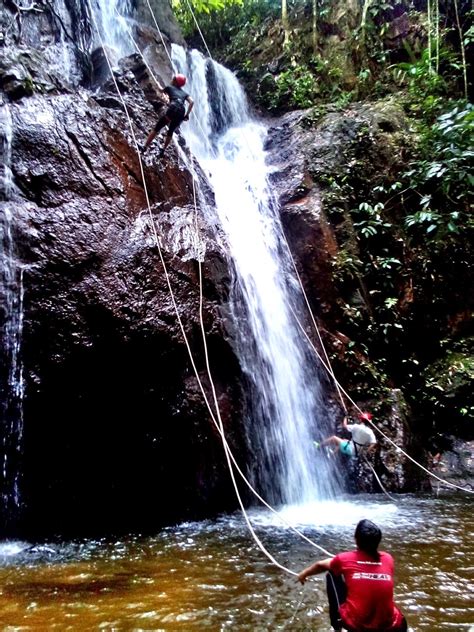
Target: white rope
[161,36]
[198,28]
[239,470]
[448,483]
[330,369]
[219,424]
[137,48]
[155,79]
[378,479]
[220,428]
[290,622]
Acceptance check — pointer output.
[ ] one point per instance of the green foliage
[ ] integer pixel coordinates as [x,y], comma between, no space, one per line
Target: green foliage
[295,87]
[372,222]
[428,87]
[443,176]
[419,76]
[346,265]
[205,12]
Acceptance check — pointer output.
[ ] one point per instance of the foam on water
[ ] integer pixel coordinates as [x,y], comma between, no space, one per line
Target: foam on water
[327,514]
[11,548]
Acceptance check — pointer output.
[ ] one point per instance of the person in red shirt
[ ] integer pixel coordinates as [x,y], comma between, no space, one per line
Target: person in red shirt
[360,585]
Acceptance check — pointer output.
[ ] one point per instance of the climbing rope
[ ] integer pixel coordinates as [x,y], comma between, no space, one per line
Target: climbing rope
[377,478]
[132,39]
[216,423]
[327,365]
[219,424]
[198,28]
[152,74]
[323,347]
[290,622]
[161,36]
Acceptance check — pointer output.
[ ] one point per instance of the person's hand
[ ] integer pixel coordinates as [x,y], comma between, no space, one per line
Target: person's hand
[302,578]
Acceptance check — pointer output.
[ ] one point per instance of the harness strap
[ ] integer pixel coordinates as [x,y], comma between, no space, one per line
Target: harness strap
[358,445]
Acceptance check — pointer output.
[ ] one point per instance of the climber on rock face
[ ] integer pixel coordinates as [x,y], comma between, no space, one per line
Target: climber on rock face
[362,437]
[176,111]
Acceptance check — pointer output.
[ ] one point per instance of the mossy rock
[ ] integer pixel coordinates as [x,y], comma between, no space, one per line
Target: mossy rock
[449,387]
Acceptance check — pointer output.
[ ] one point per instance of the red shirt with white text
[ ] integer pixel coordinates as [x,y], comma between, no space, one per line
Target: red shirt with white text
[369,604]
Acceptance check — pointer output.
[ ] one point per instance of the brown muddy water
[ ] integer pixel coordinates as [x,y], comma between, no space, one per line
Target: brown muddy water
[210,575]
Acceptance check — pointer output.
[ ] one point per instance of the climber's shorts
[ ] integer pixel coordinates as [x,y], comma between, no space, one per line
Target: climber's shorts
[347,448]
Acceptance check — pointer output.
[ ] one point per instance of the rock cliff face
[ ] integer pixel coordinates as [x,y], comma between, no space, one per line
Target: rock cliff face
[116,433]
[114,419]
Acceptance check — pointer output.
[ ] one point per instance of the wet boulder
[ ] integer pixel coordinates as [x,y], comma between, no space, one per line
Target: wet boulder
[114,417]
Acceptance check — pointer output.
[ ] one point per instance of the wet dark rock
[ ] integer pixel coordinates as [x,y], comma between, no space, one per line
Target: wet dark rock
[454,463]
[102,60]
[22,73]
[115,422]
[163,15]
[307,150]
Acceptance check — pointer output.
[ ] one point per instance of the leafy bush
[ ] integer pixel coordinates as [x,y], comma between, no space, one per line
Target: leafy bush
[443,175]
[292,88]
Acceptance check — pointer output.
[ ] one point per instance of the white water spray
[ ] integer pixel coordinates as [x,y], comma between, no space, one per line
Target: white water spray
[6,179]
[114,28]
[286,410]
[11,331]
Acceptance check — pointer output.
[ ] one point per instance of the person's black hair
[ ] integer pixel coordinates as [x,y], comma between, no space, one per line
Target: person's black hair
[367,536]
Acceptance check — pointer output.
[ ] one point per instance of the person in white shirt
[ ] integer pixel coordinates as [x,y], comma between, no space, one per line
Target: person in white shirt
[362,437]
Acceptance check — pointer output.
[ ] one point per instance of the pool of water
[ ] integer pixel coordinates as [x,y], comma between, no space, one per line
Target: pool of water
[211,576]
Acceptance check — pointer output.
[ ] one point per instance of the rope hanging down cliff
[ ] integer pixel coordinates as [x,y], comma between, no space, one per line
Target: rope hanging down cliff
[327,365]
[219,424]
[191,168]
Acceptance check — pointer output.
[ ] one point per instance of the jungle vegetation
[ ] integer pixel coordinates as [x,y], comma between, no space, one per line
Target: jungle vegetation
[416,225]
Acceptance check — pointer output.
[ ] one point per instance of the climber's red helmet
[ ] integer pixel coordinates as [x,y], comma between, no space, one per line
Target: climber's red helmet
[365,416]
[179,81]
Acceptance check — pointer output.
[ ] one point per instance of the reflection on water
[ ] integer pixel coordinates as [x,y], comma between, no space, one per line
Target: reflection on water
[210,576]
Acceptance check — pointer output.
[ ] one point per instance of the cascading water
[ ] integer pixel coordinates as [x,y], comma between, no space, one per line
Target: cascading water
[286,408]
[114,29]
[11,328]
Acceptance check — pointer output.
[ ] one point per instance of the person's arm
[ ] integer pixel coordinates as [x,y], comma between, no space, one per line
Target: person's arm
[345,421]
[190,103]
[164,93]
[318,567]
[371,448]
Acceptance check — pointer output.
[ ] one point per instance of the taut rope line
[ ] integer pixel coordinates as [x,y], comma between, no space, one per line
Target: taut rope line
[220,425]
[161,35]
[448,483]
[327,365]
[198,28]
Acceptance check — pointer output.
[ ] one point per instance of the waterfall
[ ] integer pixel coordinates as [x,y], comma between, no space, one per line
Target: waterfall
[11,328]
[286,409]
[114,29]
